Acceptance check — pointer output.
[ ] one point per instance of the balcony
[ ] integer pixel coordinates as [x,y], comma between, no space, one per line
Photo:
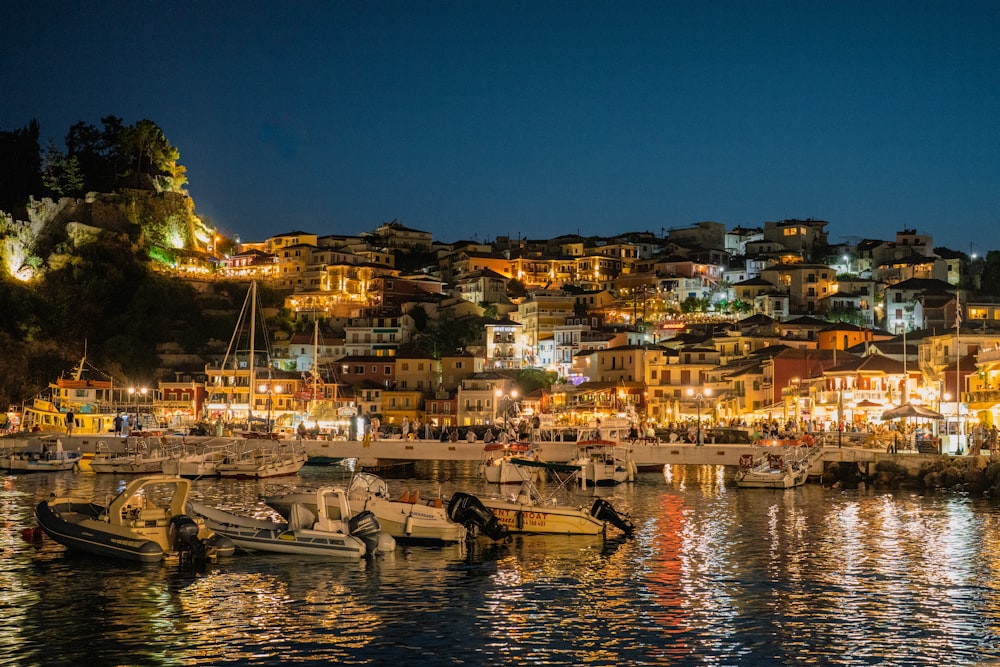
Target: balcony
[988,396]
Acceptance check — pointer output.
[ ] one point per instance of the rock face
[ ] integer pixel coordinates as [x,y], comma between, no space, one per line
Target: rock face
[973,474]
[53,228]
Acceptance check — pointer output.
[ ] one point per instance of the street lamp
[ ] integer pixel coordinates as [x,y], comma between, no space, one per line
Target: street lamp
[134,393]
[698,398]
[269,391]
[509,397]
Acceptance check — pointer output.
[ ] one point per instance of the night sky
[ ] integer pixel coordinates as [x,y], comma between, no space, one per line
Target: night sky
[472,119]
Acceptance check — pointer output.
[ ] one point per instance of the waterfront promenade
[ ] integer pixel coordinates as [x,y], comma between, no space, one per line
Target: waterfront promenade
[379,452]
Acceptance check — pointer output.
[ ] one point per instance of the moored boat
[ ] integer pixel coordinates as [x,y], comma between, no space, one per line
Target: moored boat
[407,518]
[262,459]
[197,461]
[76,404]
[528,512]
[50,458]
[331,531]
[146,522]
[603,462]
[138,458]
[500,464]
[777,468]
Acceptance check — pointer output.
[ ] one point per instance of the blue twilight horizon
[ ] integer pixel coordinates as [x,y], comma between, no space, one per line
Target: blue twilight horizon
[472,120]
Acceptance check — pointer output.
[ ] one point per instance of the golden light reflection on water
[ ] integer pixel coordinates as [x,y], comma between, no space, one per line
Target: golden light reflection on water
[714,575]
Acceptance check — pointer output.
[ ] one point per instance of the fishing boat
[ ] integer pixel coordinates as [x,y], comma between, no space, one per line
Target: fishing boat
[262,459]
[602,462]
[528,512]
[501,463]
[146,522]
[782,468]
[139,457]
[328,529]
[408,518]
[76,404]
[50,458]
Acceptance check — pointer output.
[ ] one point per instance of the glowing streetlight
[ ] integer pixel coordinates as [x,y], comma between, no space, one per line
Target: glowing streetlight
[269,391]
[512,396]
[699,397]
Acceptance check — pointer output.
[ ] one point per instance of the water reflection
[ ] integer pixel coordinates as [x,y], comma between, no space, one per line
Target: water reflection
[714,575]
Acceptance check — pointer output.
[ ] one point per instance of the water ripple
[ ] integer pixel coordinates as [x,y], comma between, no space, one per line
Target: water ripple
[714,576]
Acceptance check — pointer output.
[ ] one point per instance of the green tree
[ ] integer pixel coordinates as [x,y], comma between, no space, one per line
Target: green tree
[98,151]
[20,166]
[991,274]
[531,379]
[62,175]
[516,289]
[419,315]
[151,158]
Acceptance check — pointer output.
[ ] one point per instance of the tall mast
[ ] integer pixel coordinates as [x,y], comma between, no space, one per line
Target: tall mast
[253,370]
[315,373]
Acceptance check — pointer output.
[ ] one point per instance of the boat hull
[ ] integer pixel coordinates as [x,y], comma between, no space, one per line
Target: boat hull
[407,523]
[84,530]
[268,536]
[22,464]
[526,518]
[771,480]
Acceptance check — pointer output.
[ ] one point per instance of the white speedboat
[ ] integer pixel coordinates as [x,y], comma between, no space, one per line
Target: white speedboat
[139,458]
[407,518]
[201,461]
[266,459]
[50,458]
[146,522]
[528,512]
[331,531]
[502,463]
[777,468]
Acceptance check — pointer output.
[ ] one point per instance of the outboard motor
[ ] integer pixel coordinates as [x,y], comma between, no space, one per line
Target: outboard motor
[603,511]
[185,536]
[365,526]
[469,511]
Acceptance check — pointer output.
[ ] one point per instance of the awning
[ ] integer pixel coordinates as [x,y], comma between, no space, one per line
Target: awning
[910,410]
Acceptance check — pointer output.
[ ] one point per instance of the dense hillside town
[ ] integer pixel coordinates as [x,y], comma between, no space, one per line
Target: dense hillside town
[774,326]
[768,325]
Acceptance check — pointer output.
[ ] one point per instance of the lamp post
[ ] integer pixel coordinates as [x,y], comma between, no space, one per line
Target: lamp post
[134,393]
[508,397]
[270,390]
[698,398]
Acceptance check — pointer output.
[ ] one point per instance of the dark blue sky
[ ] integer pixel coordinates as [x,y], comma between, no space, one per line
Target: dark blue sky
[473,118]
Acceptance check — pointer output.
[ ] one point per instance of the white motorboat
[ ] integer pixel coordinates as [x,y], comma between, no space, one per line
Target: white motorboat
[502,463]
[331,531]
[407,518]
[200,461]
[603,462]
[50,458]
[266,459]
[138,458]
[146,522]
[529,512]
[777,468]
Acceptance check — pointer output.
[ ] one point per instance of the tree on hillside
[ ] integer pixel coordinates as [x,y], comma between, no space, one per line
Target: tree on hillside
[61,175]
[98,152]
[151,157]
[20,166]
[990,279]
[530,379]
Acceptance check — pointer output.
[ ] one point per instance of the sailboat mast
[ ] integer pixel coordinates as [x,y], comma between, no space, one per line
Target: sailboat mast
[253,368]
[315,355]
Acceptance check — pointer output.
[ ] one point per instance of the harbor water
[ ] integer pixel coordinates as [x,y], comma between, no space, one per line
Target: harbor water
[715,575]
